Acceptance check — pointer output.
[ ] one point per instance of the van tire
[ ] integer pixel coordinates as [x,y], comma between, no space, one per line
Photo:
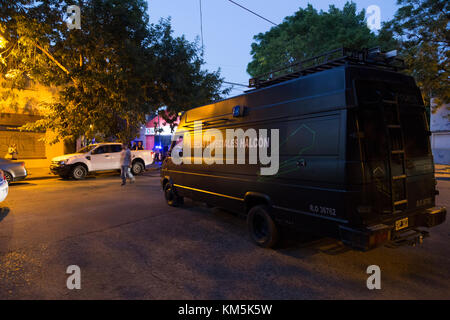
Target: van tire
[79,172]
[261,227]
[171,196]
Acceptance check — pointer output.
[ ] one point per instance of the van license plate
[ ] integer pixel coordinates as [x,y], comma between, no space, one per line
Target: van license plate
[401,224]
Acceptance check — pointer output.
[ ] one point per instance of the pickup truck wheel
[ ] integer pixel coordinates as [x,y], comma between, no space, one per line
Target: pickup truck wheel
[137,168]
[79,172]
[171,196]
[261,227]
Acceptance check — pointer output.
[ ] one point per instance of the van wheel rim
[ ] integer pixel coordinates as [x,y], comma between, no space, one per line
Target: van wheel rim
[260,227]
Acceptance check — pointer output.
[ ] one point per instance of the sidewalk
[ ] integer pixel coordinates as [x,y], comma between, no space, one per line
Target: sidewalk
[40,173]
[442,171]
[44,172]
[442,168]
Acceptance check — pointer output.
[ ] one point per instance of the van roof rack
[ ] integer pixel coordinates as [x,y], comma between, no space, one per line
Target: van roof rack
[329,60]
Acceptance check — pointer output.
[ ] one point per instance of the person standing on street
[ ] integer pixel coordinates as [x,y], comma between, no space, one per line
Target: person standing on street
[125,164]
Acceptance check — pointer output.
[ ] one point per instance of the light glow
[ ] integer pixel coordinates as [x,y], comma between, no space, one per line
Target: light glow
[3,42]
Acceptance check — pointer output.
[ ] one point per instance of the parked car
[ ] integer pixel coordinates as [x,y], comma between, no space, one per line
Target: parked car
[3,186]
[354,154]
[98,157]
[13,170]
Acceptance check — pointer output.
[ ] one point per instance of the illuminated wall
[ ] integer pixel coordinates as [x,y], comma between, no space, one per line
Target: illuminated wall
[440,138]
[18,107]
[150,135]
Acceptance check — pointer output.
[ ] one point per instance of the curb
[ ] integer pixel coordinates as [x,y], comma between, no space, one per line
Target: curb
[39,178]
[31,178]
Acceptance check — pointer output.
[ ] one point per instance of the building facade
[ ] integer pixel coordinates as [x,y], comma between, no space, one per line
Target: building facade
[440,135]
[18,107]
[156,135]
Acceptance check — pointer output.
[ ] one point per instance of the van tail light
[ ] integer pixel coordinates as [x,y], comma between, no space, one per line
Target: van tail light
[378,238]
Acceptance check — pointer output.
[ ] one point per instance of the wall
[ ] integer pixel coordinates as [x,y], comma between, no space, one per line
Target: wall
[440,137]
[21,107]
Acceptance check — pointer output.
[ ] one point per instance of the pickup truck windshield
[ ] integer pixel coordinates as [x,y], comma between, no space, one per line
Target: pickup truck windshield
[87,148]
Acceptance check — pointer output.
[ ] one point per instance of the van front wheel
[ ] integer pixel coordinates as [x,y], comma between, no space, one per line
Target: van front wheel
[171,196]
[261,227]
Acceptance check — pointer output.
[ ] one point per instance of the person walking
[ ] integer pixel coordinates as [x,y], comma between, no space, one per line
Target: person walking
[125,165]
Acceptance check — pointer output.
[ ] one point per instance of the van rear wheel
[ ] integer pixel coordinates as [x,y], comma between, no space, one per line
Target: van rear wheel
[261,227]
[171,196]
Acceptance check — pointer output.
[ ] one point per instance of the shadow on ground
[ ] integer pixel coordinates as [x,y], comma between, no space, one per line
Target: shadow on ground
[3,213]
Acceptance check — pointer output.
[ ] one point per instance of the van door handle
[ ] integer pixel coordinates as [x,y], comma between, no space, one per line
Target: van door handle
[301,163]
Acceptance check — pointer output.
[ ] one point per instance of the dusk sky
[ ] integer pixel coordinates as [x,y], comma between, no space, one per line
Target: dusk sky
[228,30]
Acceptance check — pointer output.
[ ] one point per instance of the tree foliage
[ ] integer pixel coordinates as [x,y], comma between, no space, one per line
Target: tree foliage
[308,33]
[111,73]
[423,28]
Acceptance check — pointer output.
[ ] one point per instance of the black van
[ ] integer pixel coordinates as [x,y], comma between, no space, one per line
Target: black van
[354,153]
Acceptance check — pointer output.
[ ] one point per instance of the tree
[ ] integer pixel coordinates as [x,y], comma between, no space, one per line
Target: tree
[422,27]
[111,73]
[180,70]
[308,33]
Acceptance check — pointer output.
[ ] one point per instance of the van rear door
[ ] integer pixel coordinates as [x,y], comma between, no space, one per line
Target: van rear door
[396,153]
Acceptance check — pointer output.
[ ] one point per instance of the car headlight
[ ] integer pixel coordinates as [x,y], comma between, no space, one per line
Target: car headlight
[62,162]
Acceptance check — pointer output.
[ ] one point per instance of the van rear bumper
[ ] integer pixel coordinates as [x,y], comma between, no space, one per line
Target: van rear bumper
[433,217]
[374,236]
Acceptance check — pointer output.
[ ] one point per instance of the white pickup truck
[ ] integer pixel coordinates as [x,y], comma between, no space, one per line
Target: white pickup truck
[98,157]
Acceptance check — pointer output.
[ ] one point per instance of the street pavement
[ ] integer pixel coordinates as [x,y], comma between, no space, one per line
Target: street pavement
[130,245]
